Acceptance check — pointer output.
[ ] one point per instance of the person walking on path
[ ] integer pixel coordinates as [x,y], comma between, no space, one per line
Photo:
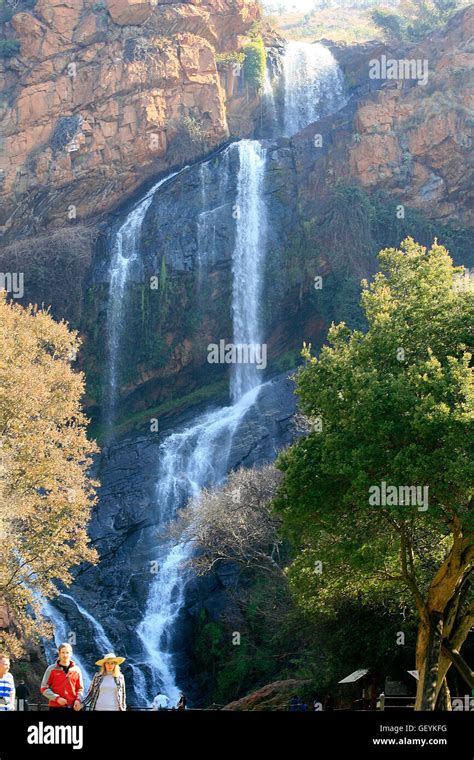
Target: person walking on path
[107,689]
[295,704]
[62,682]
[7,685]
[22,694]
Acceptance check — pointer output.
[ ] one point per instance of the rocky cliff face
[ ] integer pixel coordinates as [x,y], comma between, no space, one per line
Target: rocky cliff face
[413,141]
[331,208]
[103,95]
[187,242]
[147,96]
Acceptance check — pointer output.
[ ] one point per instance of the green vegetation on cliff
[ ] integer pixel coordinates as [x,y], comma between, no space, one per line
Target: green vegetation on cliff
[9,48]
[254,63]
[415,19]
[342,240]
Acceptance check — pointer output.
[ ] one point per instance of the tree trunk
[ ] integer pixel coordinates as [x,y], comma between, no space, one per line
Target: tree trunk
[440,615]
[444,697]
[428,654]
[458,620]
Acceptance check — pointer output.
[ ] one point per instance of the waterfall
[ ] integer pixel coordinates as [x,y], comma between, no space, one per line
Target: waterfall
[206,231]
[100,637]
[62,632]
[313,85]
[206,219]
[247,269]
[124,265]
[269,101]
[198,456]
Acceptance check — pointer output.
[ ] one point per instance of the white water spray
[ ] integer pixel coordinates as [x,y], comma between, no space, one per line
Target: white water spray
[198,456]
[248,259]
[313,85]
[125,259]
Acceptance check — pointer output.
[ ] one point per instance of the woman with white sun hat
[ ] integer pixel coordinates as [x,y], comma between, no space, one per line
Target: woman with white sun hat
[107,689]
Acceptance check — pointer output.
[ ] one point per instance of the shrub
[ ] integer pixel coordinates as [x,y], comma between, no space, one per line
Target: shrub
[193,129]
[416,19]
[9,48]
[226,60]
[254,63]
[8,8]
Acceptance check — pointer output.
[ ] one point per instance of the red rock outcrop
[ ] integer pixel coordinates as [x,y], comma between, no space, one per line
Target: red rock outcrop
[102,96]
[413,140]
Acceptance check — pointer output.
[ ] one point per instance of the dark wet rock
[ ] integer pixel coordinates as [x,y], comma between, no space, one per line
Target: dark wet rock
[126,532]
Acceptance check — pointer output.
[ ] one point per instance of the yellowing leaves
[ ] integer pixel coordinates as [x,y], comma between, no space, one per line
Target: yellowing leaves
[46,495]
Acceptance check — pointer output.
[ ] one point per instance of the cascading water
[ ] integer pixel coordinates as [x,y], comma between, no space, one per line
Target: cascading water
[313,85]
[206,220]
[62,632]
[198,456]
[269,101]
[100,637]
[125,259]
[247,269]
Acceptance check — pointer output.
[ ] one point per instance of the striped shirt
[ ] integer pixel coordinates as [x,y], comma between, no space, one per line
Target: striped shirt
[7,687]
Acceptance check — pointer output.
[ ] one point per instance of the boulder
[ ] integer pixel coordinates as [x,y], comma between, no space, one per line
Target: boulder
[61,15]
[273,696]
[91,29]
[125,12]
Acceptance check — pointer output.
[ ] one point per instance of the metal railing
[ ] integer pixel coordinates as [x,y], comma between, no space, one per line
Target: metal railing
[43,707]
[403,702]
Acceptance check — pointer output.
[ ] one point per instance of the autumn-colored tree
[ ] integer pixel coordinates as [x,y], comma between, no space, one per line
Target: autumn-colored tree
[393,408]
[46,495]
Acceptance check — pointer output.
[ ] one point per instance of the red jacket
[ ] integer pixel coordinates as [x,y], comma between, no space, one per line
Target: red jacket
[56,683]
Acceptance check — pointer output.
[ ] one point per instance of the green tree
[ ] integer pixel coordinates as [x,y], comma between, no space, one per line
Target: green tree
[396,406]
[416,18]
[390,23]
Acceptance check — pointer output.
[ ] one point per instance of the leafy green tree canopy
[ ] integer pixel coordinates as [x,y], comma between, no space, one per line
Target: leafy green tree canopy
[381,491]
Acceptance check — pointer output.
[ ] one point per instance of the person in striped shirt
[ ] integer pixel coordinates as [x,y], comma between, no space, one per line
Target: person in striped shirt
[7,685]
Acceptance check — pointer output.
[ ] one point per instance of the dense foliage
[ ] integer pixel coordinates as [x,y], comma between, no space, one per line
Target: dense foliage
[45,493]
[396,406]
[254,63]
